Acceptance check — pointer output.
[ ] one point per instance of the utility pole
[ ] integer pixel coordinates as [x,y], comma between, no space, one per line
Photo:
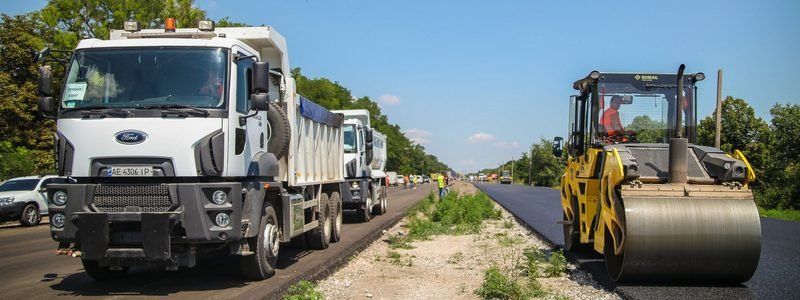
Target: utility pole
[718,133]
[512,170]
[530,168]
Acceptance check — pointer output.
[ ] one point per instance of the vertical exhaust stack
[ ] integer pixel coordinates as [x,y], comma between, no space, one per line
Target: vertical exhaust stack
[678,145]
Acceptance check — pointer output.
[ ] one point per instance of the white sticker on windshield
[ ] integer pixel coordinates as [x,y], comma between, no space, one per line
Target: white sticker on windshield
[75,91]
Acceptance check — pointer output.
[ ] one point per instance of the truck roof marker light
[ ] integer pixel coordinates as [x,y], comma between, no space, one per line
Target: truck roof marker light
[266,186]
[131,26]
[205,25]
[169,25]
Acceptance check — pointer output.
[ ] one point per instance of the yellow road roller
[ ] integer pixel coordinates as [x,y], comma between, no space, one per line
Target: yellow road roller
[638,190]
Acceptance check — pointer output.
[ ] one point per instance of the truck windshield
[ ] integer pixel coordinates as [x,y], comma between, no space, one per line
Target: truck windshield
[506,174]
[146,77]
[349,139]
[19,185]
[643,113]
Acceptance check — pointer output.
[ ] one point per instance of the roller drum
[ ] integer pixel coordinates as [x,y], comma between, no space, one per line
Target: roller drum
[687,239]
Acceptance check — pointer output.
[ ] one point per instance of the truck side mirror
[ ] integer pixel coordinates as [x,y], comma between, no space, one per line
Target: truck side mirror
[558,148]
[368,136]
[47,104]
[260,80]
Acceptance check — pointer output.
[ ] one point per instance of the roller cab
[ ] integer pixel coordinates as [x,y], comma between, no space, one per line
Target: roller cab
[639,191]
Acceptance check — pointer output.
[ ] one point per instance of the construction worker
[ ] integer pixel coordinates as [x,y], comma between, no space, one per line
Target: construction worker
[441,186]
[610,119]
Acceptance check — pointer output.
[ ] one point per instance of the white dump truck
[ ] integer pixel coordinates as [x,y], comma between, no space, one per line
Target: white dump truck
[364,163]
[187,141]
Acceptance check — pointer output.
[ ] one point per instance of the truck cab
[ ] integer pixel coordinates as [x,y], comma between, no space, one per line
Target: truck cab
[365,159]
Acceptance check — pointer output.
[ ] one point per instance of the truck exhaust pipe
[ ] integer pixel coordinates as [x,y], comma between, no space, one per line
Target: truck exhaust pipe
[678,145]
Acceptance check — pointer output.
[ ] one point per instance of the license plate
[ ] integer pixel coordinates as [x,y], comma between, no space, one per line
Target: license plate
[129,171]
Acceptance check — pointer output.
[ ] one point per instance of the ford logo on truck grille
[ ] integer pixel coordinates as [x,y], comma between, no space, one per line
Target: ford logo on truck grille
[130,137]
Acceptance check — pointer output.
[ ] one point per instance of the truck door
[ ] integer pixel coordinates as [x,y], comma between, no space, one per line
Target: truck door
[250,138]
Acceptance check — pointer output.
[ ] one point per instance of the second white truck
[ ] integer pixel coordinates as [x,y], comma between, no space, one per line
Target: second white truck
[364,163]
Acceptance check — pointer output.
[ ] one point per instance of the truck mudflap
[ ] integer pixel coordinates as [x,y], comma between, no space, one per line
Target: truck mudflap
[155,235]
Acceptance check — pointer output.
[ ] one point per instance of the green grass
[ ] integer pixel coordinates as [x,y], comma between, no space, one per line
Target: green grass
[303,290]
[497,285]
[783,214]
[454,215]
[557,264]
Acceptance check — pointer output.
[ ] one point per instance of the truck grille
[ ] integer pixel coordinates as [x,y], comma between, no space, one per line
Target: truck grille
[148,197]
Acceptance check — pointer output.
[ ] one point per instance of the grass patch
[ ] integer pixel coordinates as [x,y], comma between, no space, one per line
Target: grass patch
[397,259]
[537,261]
[557,264]
[303,290]
[497,285]
[455,214]
[399,242]
[508,224]
[783,214]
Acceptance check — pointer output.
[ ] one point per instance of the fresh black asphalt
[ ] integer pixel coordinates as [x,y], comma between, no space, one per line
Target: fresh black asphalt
[777,276]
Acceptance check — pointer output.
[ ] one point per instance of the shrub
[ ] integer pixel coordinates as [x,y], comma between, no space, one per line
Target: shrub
[303,290]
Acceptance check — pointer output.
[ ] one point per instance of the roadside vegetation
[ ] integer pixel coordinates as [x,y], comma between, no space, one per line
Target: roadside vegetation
[783,214]
[454,215]
[303,290]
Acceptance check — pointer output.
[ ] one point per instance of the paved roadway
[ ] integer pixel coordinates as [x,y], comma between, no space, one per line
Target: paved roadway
[777,276]
[31,270]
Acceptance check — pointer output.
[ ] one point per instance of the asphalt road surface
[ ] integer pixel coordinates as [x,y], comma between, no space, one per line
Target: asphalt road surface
[31,270]
[777,276]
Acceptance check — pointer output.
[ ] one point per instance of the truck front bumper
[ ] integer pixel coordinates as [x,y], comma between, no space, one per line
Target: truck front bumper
[355,198]
[130,224]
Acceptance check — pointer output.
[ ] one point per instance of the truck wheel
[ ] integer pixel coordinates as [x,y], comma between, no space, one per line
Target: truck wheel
[278,143]
[100,273]
[318,238]
[364,214]
[381,207]
[264,247]
[30,215]
[336,208]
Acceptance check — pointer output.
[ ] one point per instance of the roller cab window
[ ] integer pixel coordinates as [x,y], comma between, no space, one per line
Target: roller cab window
[632,111]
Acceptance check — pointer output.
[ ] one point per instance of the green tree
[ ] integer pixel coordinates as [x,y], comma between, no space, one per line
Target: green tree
[21,125]
[741,130]
[780,185]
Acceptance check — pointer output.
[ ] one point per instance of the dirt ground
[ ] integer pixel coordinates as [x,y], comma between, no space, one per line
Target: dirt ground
[449,267]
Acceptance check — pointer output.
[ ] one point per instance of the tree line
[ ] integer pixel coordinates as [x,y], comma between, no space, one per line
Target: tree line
[26,138]
[772,149]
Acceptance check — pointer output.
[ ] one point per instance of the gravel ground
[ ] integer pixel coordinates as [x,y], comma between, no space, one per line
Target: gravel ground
[450,267]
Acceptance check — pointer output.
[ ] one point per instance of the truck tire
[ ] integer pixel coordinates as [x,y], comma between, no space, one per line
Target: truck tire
[380,209]
[278,143]
[100,273]
[336,208]
[30,215]
[319,238]
[364,214]
[260,264]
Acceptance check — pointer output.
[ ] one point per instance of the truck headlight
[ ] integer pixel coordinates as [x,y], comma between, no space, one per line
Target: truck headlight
[60,198]
[58,220]
[219,197]
[223,219]
[354,185]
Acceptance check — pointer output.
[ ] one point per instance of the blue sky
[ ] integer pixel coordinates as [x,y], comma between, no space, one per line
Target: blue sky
[478,81]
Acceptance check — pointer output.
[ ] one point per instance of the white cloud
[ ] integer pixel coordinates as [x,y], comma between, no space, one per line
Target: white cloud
[479,137]
[388,99]
[506,145]
[419,136]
